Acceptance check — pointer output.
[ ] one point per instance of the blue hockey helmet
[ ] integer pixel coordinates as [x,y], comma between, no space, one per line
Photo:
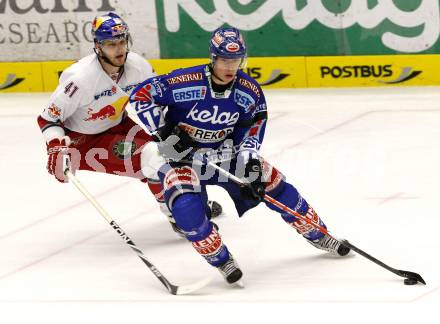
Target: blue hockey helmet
[227,42]
[109,27]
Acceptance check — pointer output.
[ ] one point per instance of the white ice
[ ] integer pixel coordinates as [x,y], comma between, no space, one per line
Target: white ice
[366,159]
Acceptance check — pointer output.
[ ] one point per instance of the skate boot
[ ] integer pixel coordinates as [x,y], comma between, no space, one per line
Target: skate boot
[216,208]
[181,233]
[330,244]
[231,272]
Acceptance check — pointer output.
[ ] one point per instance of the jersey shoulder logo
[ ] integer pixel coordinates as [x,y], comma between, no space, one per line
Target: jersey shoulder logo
[53,111]
[148,91]
[196,76]
[244,100]
[250,85]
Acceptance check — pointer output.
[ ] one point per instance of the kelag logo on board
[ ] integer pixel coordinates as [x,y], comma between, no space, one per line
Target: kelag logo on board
[292,28]
[381,72]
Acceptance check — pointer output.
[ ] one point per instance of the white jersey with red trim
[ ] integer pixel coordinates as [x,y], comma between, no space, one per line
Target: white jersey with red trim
[87,100]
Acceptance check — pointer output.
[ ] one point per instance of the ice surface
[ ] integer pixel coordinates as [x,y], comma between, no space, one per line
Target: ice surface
[366,159]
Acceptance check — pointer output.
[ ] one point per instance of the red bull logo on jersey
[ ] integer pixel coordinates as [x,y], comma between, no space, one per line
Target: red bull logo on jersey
[189,94]
[101,114]
[112,111]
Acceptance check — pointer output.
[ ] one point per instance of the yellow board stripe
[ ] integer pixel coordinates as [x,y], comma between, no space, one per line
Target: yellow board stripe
[270,72]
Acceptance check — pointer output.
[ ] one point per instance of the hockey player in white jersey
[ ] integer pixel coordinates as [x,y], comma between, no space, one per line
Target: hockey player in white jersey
[86,116]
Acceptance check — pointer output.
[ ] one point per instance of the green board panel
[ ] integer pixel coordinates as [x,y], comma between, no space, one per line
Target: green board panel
[301,27]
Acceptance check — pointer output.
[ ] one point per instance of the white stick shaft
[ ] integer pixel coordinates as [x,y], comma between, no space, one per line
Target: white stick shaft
[173,289]
[234,178]
[89,196]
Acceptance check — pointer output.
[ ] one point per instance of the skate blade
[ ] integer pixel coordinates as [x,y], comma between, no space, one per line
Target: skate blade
[238,284]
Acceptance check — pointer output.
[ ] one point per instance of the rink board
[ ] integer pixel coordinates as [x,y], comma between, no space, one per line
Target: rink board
[270,72]
[359,71]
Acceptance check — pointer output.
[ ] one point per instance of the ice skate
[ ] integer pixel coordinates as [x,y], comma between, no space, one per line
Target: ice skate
[216,208]
[177,229]
[231,272]
[330,244]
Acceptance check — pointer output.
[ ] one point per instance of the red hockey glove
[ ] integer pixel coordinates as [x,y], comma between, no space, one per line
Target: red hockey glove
[56,149]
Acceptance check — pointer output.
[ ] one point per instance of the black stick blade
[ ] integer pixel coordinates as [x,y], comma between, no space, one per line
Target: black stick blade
[402,273]
[411,275]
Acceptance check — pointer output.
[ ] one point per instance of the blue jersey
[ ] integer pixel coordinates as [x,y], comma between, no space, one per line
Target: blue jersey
[185,98]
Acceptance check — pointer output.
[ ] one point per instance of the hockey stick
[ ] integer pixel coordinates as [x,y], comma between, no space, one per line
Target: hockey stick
[173,289]
[412,277]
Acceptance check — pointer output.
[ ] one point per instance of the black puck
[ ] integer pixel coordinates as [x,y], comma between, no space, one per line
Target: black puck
[410,281]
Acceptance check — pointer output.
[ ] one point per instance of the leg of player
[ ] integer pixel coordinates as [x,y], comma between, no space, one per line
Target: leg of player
[183,195]
[287,194]
[212,208]
[151,162]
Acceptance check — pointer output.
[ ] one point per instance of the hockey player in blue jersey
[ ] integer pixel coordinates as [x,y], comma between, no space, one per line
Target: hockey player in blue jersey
[220,111]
